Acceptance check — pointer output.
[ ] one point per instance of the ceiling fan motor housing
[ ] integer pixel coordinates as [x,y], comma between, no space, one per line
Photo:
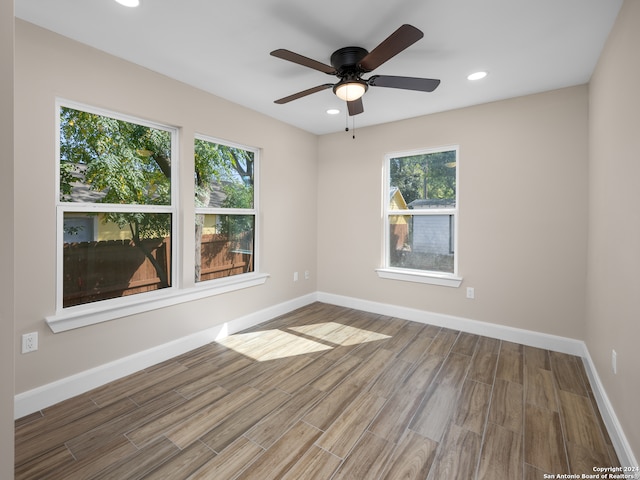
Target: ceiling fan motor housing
[346,60]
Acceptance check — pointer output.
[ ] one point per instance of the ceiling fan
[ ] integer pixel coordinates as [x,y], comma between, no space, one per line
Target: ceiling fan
[349,64]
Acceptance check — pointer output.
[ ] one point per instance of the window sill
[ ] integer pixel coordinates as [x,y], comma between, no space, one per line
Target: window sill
[90,314]
[416,276]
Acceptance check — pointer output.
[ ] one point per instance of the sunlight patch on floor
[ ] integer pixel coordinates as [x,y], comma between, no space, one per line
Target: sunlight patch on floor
[271,345]
[339,334]
[266,345]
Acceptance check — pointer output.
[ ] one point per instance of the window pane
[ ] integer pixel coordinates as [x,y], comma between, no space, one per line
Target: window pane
[224,245]
[423,181]
[123,254]
[104,160]
[422,242]
[224,176]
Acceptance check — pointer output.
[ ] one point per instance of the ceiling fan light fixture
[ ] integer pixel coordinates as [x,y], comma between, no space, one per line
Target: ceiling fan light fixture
[129,3]
[349,91]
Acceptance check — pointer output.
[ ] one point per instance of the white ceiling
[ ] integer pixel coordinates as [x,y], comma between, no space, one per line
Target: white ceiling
[527,46]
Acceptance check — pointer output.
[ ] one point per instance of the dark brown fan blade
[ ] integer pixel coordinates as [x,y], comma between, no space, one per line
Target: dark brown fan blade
[402,38]
[302,60]
[355,107]
[406,83]
[304,93]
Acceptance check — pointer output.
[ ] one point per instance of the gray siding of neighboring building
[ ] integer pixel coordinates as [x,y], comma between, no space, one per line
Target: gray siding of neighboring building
[432,234]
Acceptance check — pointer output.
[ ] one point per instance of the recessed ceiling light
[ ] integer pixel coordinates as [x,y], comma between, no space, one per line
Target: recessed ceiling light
[129,3]
[477,76]
[333,111]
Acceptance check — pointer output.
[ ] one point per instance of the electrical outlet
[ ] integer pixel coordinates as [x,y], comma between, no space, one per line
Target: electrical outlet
[29,342]
[471,293]
[307,275]
[614,362]
[295,276]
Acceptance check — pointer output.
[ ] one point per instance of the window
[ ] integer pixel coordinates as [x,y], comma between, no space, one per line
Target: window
[421,210]
[225,187]
[115,206]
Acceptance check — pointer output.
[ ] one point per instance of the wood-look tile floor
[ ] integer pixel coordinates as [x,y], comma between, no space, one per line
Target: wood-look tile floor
[329,393]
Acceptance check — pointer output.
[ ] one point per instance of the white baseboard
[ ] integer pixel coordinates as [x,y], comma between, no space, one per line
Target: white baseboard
[618,438]
[50,394]
[501,332]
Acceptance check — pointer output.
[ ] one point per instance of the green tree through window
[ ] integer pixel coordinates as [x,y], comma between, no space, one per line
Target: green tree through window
[423,176]
[126,167]
[225,209]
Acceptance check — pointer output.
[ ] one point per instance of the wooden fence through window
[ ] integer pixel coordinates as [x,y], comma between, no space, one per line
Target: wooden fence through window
[221,257]
[95,271]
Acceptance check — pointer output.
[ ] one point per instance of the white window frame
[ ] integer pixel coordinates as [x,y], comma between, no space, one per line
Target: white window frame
[414,275]
[237,211]
[64,207]
[181,290]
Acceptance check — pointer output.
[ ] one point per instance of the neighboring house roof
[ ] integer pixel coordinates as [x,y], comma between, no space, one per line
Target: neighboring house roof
[81,192]
[433,203]
[217,196]
[396,195]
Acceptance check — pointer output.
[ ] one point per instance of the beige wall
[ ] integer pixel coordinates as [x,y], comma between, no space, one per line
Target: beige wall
[523,211]
[613,309]
[48,65]
[7,338]
[526,206]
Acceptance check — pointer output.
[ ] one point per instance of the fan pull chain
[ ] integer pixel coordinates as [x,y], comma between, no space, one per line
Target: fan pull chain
[353,124]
